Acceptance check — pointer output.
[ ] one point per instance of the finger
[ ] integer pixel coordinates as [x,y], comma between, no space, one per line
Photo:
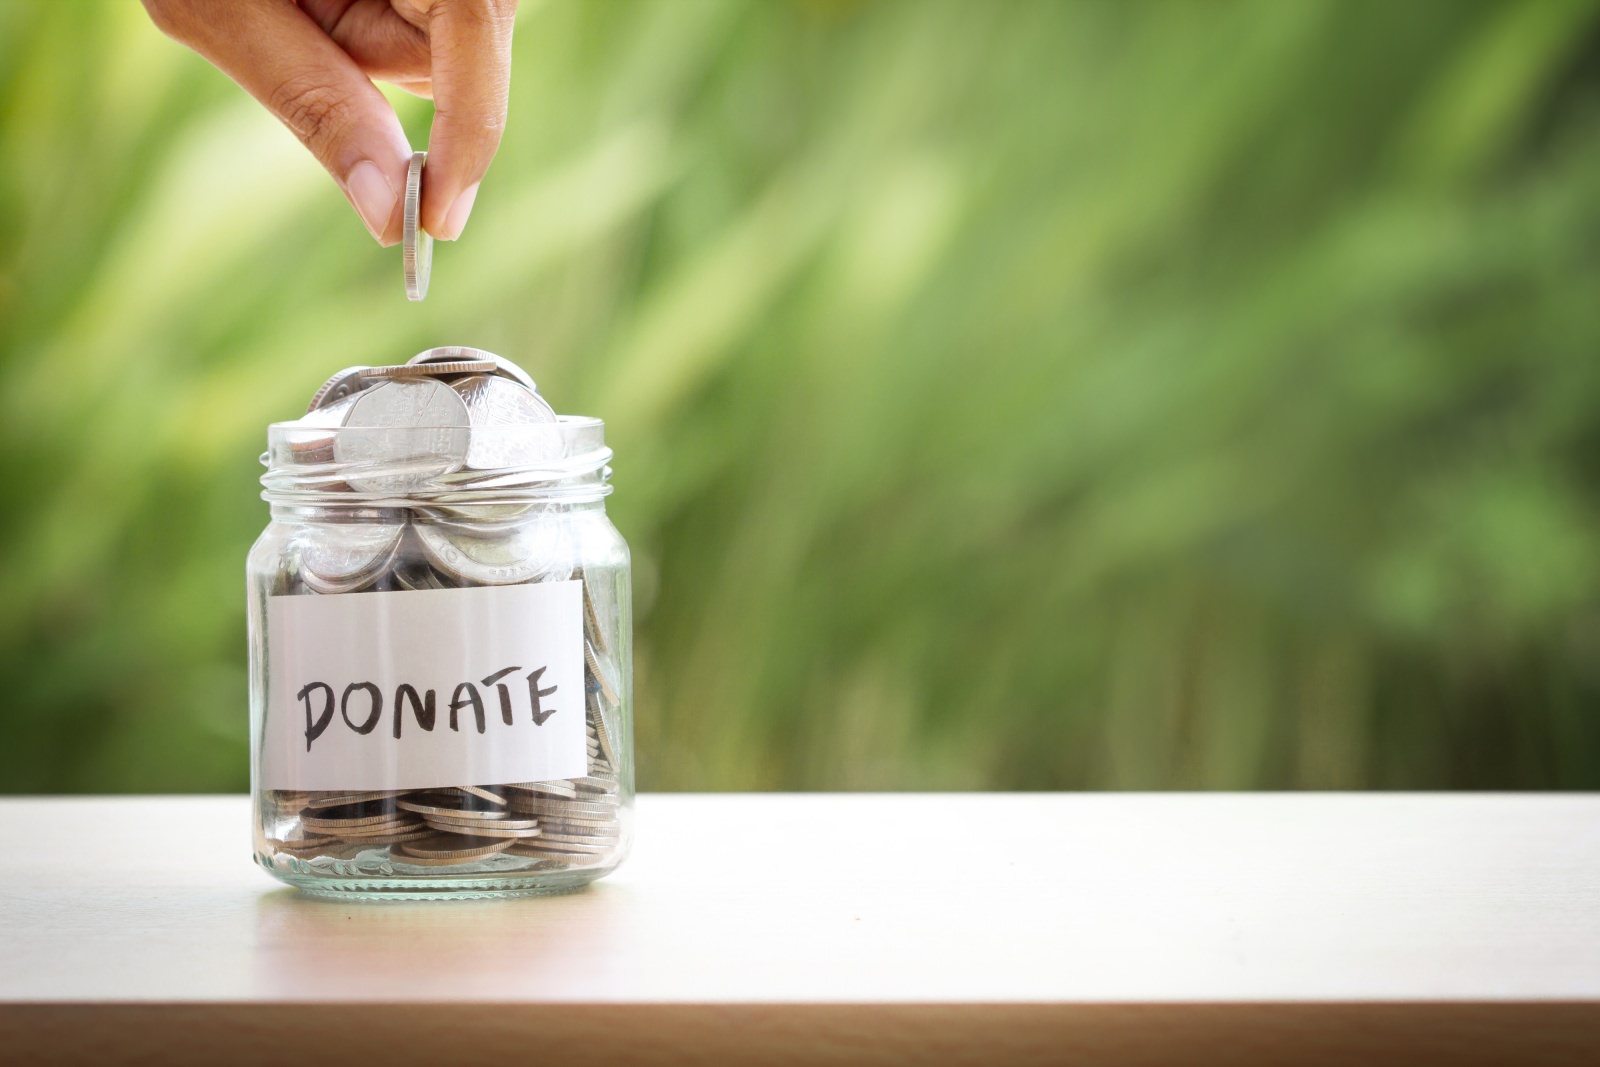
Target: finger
[383,44]
[471,76]
[283,59]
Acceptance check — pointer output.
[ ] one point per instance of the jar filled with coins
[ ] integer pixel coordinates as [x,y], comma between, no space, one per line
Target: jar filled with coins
[440,640]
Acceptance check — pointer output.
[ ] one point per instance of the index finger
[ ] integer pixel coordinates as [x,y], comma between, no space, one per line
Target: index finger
[471,43]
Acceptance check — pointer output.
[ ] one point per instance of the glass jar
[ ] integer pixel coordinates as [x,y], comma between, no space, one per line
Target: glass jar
[440,658]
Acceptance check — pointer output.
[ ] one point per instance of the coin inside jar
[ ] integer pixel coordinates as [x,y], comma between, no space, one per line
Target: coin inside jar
[407,432]
[347,558]
[536,551]
[494,403]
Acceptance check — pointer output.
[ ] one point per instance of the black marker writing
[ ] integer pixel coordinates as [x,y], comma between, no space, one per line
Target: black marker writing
[361,705]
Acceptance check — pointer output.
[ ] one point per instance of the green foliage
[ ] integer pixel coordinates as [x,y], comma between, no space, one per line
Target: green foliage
[1034,395]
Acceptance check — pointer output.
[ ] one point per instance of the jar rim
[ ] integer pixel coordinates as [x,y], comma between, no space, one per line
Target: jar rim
[365,466]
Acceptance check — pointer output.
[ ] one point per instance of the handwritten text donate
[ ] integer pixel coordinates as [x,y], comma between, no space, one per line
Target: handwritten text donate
[361,704]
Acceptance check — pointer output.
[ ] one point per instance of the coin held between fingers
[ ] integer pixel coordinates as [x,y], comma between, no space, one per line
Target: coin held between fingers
[417,245]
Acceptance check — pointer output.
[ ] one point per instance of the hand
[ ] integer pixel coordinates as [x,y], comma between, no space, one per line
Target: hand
[312,64]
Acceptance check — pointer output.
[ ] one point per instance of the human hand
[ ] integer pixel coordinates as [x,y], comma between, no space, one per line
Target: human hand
[312,63]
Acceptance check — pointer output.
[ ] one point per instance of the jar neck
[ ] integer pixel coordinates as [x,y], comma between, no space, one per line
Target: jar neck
[299,511]
[354,469]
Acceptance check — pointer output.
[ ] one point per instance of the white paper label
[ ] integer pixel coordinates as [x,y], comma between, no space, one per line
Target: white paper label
[352,678]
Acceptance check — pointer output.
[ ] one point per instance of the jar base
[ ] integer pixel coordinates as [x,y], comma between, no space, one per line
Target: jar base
[536,883]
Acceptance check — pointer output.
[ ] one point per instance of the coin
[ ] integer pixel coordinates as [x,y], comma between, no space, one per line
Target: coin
[417,574]
[549,789]
[604,675]
[597,724]
[564,809]
[480,814]
[591,622]
[339,800]
[472,826]
[602,834]
[402,434]
[538,550]
[311,438]
[483,794]
[342,559]
[595,785]
[454,846]
[567,843]
[417,244]
[409,832]
[505,417]
[453,353]
[346,383]
[601,840]
[350,824]
[308,841]
[495,830]
[534,850]
[431,370]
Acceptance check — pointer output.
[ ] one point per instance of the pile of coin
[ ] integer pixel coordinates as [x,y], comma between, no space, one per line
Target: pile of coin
[434,422]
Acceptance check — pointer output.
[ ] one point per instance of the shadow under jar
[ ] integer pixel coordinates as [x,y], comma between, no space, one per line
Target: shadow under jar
[440,661]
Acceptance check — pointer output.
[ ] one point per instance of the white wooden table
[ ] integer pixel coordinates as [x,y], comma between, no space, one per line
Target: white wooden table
[877,928]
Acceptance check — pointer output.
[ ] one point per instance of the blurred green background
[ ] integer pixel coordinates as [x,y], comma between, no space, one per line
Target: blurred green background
[1013,395]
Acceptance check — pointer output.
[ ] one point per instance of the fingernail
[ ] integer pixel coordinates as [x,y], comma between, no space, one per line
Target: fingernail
[455,220]
[372,195]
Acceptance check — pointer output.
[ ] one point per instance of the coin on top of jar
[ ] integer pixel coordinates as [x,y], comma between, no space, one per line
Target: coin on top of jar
[453,353]
[409,431]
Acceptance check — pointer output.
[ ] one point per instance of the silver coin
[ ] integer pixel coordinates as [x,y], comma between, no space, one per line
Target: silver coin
[591,622]
[459,825]
[392,828]
[534,849]
[538,551]
[453,846]
[416,243]
[411,832]
[482,794]
[480,520]
[595,841]
[347,382]
[341,559]
[489,830]
[451,353]
[351,823]
[310,438]
[415,574]
[565,824]
[598,721]
[424,808]
[410,431]
[564,809]
[605,676]
[339,800]
[430,370]
[504,415]
[567,843]
[549,789]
